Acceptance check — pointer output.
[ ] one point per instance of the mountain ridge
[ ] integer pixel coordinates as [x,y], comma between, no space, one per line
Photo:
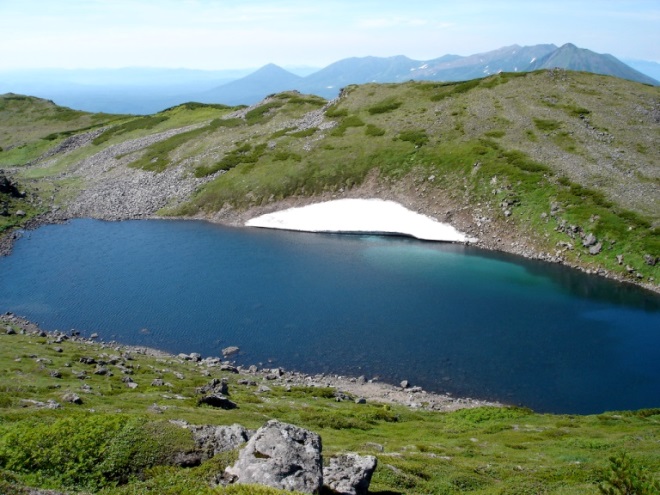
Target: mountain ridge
[515,58]
[155,89]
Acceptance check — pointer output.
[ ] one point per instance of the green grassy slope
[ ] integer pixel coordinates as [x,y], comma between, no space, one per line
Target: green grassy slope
[29,126]
[121,435]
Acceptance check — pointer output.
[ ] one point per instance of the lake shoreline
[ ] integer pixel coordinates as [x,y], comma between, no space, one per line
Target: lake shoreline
[235,218]
[370,390]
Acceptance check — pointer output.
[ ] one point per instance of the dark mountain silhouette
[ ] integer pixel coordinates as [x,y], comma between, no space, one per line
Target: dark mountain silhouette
[267,80]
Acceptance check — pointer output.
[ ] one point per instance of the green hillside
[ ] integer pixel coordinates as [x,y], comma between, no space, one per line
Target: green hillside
[529,163]
[118,439]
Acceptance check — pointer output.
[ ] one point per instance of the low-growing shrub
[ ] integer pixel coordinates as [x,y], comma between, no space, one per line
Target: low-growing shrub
[418,137]
[282,132]
[384,106]
[260,114]
[89,451]
[244,153]
[139,123]
[627,477]
[316,101]
[495,134]
[305,132]
[547,125]
[280,156]
[451,89]
[155,157]
[481,414]
[334,112]
[68,450]
[233,122]
[346,122]
[141,444]
[194,105]
[373,130]
[523,162]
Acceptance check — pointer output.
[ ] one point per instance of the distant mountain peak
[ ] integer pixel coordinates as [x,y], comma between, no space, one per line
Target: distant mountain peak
[270,69]
[570,57]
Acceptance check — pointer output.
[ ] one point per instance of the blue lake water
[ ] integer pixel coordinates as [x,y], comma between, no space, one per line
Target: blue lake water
[447,317]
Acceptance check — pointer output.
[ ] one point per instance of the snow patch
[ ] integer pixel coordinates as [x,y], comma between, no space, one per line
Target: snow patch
[373,216]
[533,60]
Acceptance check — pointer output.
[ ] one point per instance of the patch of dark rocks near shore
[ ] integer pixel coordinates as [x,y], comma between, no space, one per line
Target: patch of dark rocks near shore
[118,358]
[278,455]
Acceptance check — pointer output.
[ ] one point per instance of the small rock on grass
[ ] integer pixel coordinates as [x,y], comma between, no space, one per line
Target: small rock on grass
[217,400]
[72,398]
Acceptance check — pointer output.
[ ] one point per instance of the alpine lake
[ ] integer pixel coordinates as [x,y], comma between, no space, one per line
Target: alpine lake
[449,318]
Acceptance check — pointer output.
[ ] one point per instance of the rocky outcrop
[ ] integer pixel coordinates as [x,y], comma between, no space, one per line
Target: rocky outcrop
[9,187]
[282,456]
[349,474]
[287,457]
[212,440]
[215,386]
[214,394]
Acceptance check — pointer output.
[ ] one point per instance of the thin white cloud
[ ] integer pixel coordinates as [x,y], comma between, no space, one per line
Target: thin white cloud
[390,22]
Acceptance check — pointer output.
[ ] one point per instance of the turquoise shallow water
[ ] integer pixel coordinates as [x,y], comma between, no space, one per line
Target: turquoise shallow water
[449,318]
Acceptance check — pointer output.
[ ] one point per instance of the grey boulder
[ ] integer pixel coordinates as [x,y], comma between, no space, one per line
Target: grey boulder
[349,474]
[282,456]
[212,440]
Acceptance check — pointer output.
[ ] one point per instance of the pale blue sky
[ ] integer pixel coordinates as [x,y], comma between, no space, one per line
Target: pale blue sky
[219,34]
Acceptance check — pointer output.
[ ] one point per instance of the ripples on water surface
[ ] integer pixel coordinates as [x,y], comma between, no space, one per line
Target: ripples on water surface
[449,318]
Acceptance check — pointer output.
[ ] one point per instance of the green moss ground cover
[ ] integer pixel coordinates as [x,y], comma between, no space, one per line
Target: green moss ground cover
[119,439]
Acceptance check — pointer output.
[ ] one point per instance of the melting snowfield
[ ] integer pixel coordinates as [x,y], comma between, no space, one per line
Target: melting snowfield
[374,216]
